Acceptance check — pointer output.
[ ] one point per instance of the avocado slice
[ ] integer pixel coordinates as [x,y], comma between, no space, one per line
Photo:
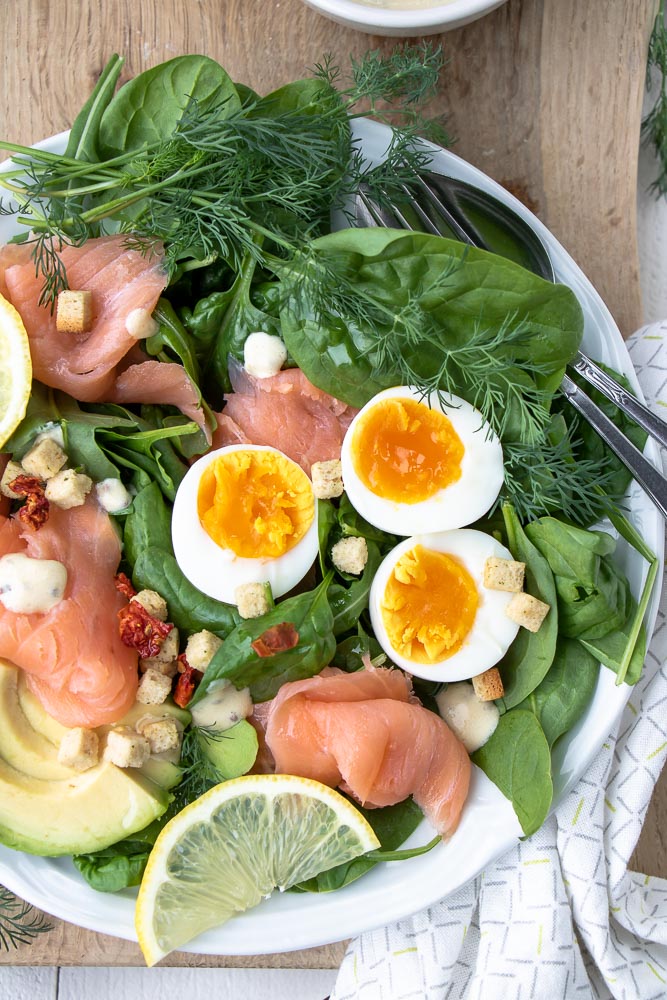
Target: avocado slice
[20,745]
[79,815]
[31,706]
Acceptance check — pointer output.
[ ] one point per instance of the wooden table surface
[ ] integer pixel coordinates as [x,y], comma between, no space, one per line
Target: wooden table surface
[543,95]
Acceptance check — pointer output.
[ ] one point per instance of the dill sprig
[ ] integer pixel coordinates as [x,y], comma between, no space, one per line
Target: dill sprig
[654,125]
[199,773]
[20,923]
[221,185]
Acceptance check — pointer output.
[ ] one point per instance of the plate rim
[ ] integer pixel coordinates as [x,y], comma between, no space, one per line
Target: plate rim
[352,909]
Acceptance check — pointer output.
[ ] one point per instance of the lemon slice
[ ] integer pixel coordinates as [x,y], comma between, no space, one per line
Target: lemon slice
[15,369]
[232,847]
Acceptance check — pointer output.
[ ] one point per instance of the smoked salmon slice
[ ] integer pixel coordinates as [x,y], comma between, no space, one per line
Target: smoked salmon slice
[366,734]
[93,366]
[285,411]
[76,663]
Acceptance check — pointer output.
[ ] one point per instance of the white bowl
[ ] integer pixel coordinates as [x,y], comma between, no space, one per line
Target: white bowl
[404,18]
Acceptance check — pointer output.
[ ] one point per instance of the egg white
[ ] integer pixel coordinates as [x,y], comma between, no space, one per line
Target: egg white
[218,571]
[458,504]
[492,631]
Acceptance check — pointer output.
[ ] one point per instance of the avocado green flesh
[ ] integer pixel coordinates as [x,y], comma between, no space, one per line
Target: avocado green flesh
[49,809]
[232,752]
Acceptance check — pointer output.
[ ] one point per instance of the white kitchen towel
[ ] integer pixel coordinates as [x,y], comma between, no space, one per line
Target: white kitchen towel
[560,916]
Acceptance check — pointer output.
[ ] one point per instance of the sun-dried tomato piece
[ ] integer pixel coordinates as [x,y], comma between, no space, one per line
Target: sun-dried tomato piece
[183,664]
[124,585]
[141,631]
[276,639]
[185,685]
[35,510]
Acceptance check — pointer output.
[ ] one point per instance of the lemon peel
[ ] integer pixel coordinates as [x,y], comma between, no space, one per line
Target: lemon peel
[15,370]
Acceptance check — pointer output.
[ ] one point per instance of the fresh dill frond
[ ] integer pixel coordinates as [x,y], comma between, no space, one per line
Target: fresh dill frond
[544,478]
[654,125]
[20,923]
[199,774]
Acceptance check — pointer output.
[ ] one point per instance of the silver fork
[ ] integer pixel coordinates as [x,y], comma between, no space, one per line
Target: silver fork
[654,484]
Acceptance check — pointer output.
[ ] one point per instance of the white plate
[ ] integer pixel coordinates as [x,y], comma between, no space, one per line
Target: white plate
[488,827]
[401,19]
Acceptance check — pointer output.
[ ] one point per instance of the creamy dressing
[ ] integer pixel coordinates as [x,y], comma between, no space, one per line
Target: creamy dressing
[222,707]
[264,354]
[469,718]
[31,586]
[112,495]
[140,324]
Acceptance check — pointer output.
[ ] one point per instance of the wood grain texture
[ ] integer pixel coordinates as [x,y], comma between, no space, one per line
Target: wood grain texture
[543,95]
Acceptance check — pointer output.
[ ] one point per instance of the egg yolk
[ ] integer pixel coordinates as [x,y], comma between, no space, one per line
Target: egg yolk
[428,606]
[404,451]
[259,504]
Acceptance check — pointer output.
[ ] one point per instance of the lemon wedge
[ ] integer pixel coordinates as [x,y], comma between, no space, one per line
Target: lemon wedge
[232,847]
[15,370]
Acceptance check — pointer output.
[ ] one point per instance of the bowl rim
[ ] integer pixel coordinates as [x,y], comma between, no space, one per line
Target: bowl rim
[383,17]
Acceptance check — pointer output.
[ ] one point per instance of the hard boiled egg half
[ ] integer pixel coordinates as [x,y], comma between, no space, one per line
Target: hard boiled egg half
[430,610]
[244,514]
[413,463]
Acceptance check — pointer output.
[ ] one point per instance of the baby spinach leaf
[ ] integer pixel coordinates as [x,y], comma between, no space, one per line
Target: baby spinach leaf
[189,609]
[348,602]
[612,649]
[593,595]
[149,107]
[147,525]
[122,865]
[326,518]
[352,523]
[517,760]
[82,142]
[392,825]
[531,654]
[238,662]
[563,696]
[351,650]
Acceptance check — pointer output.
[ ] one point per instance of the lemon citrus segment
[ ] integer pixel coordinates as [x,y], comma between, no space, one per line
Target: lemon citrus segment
[15,369]
[232,847]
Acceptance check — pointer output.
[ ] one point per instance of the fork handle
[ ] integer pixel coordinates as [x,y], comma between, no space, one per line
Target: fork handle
[649,478]
[625,401]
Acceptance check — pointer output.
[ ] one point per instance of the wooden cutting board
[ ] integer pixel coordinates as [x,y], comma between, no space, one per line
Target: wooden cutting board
[543,95]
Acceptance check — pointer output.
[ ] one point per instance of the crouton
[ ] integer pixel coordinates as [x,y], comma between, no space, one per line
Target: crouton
[154,688]
[44,459]
[162,734]
[167,667]
[504,574]
[126,748]
[140,324]
[527,611]
[350,555]
[79,749]
[68,489]
[155,605]
[12,470]
[74,311]
[489,685]
[202,647]
[327,478]
[251,600]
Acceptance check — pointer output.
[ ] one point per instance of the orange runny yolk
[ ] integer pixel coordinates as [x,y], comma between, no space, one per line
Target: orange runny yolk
[259,504]
[404,451]
[428,606]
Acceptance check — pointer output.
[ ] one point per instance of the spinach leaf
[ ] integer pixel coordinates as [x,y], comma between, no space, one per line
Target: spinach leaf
[352,523]
[149,108]
[612,650]
[237,318]
[517,760]
[122,865]
[147,525]
[562,697]
[348,602]
[82,143]
[238,662]
[392,825]
[531,654]
[326,519]
[593,595]
[420,300]
[189,609]
[172,336]
[351,650]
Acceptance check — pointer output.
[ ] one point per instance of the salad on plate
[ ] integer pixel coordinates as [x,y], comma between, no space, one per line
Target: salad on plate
[306,567]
